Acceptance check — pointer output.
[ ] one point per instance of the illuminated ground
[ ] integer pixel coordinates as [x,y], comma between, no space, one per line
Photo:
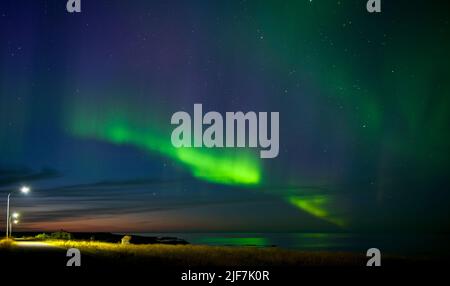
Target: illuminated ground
[166,263]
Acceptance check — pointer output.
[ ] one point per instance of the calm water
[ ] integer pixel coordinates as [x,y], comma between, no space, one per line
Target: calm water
[412,244]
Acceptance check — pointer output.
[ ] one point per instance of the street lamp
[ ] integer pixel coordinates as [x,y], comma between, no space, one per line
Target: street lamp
[14,219]
[24,190]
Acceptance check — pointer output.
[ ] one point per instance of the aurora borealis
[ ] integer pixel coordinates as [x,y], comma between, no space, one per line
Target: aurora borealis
[224,167]
[86,101]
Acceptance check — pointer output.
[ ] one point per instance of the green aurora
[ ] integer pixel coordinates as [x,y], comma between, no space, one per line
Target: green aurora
[238,167]
[375,96]
[224,167]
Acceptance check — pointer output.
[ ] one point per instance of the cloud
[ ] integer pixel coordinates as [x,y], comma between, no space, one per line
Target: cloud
[10,176]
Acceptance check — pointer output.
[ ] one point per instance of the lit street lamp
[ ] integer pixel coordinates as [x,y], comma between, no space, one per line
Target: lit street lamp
[14,219]
[25,190]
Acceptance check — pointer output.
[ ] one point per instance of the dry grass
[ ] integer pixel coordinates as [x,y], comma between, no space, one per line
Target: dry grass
[6,243]
[200,255]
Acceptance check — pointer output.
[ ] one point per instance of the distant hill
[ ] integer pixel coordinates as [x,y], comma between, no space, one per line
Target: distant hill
[111,237]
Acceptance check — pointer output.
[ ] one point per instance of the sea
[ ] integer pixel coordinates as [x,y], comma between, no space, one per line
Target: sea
[395,244]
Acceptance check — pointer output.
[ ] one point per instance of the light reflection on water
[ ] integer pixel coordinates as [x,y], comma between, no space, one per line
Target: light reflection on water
[393,244]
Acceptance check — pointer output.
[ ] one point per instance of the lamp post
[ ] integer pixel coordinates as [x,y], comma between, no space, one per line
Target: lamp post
[25,190]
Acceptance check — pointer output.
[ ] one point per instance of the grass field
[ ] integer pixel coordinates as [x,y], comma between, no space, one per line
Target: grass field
[129,255]
[6,243]
[201,255]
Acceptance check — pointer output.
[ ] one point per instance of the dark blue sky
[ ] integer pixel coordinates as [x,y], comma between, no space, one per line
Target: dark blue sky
[86,101]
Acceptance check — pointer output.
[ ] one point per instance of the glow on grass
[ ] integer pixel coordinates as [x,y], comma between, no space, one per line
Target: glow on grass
[201,255]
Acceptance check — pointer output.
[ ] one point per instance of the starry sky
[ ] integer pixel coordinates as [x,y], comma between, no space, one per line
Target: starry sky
[86,101]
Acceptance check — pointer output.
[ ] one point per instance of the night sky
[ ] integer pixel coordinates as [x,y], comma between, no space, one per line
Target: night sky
[86,101]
